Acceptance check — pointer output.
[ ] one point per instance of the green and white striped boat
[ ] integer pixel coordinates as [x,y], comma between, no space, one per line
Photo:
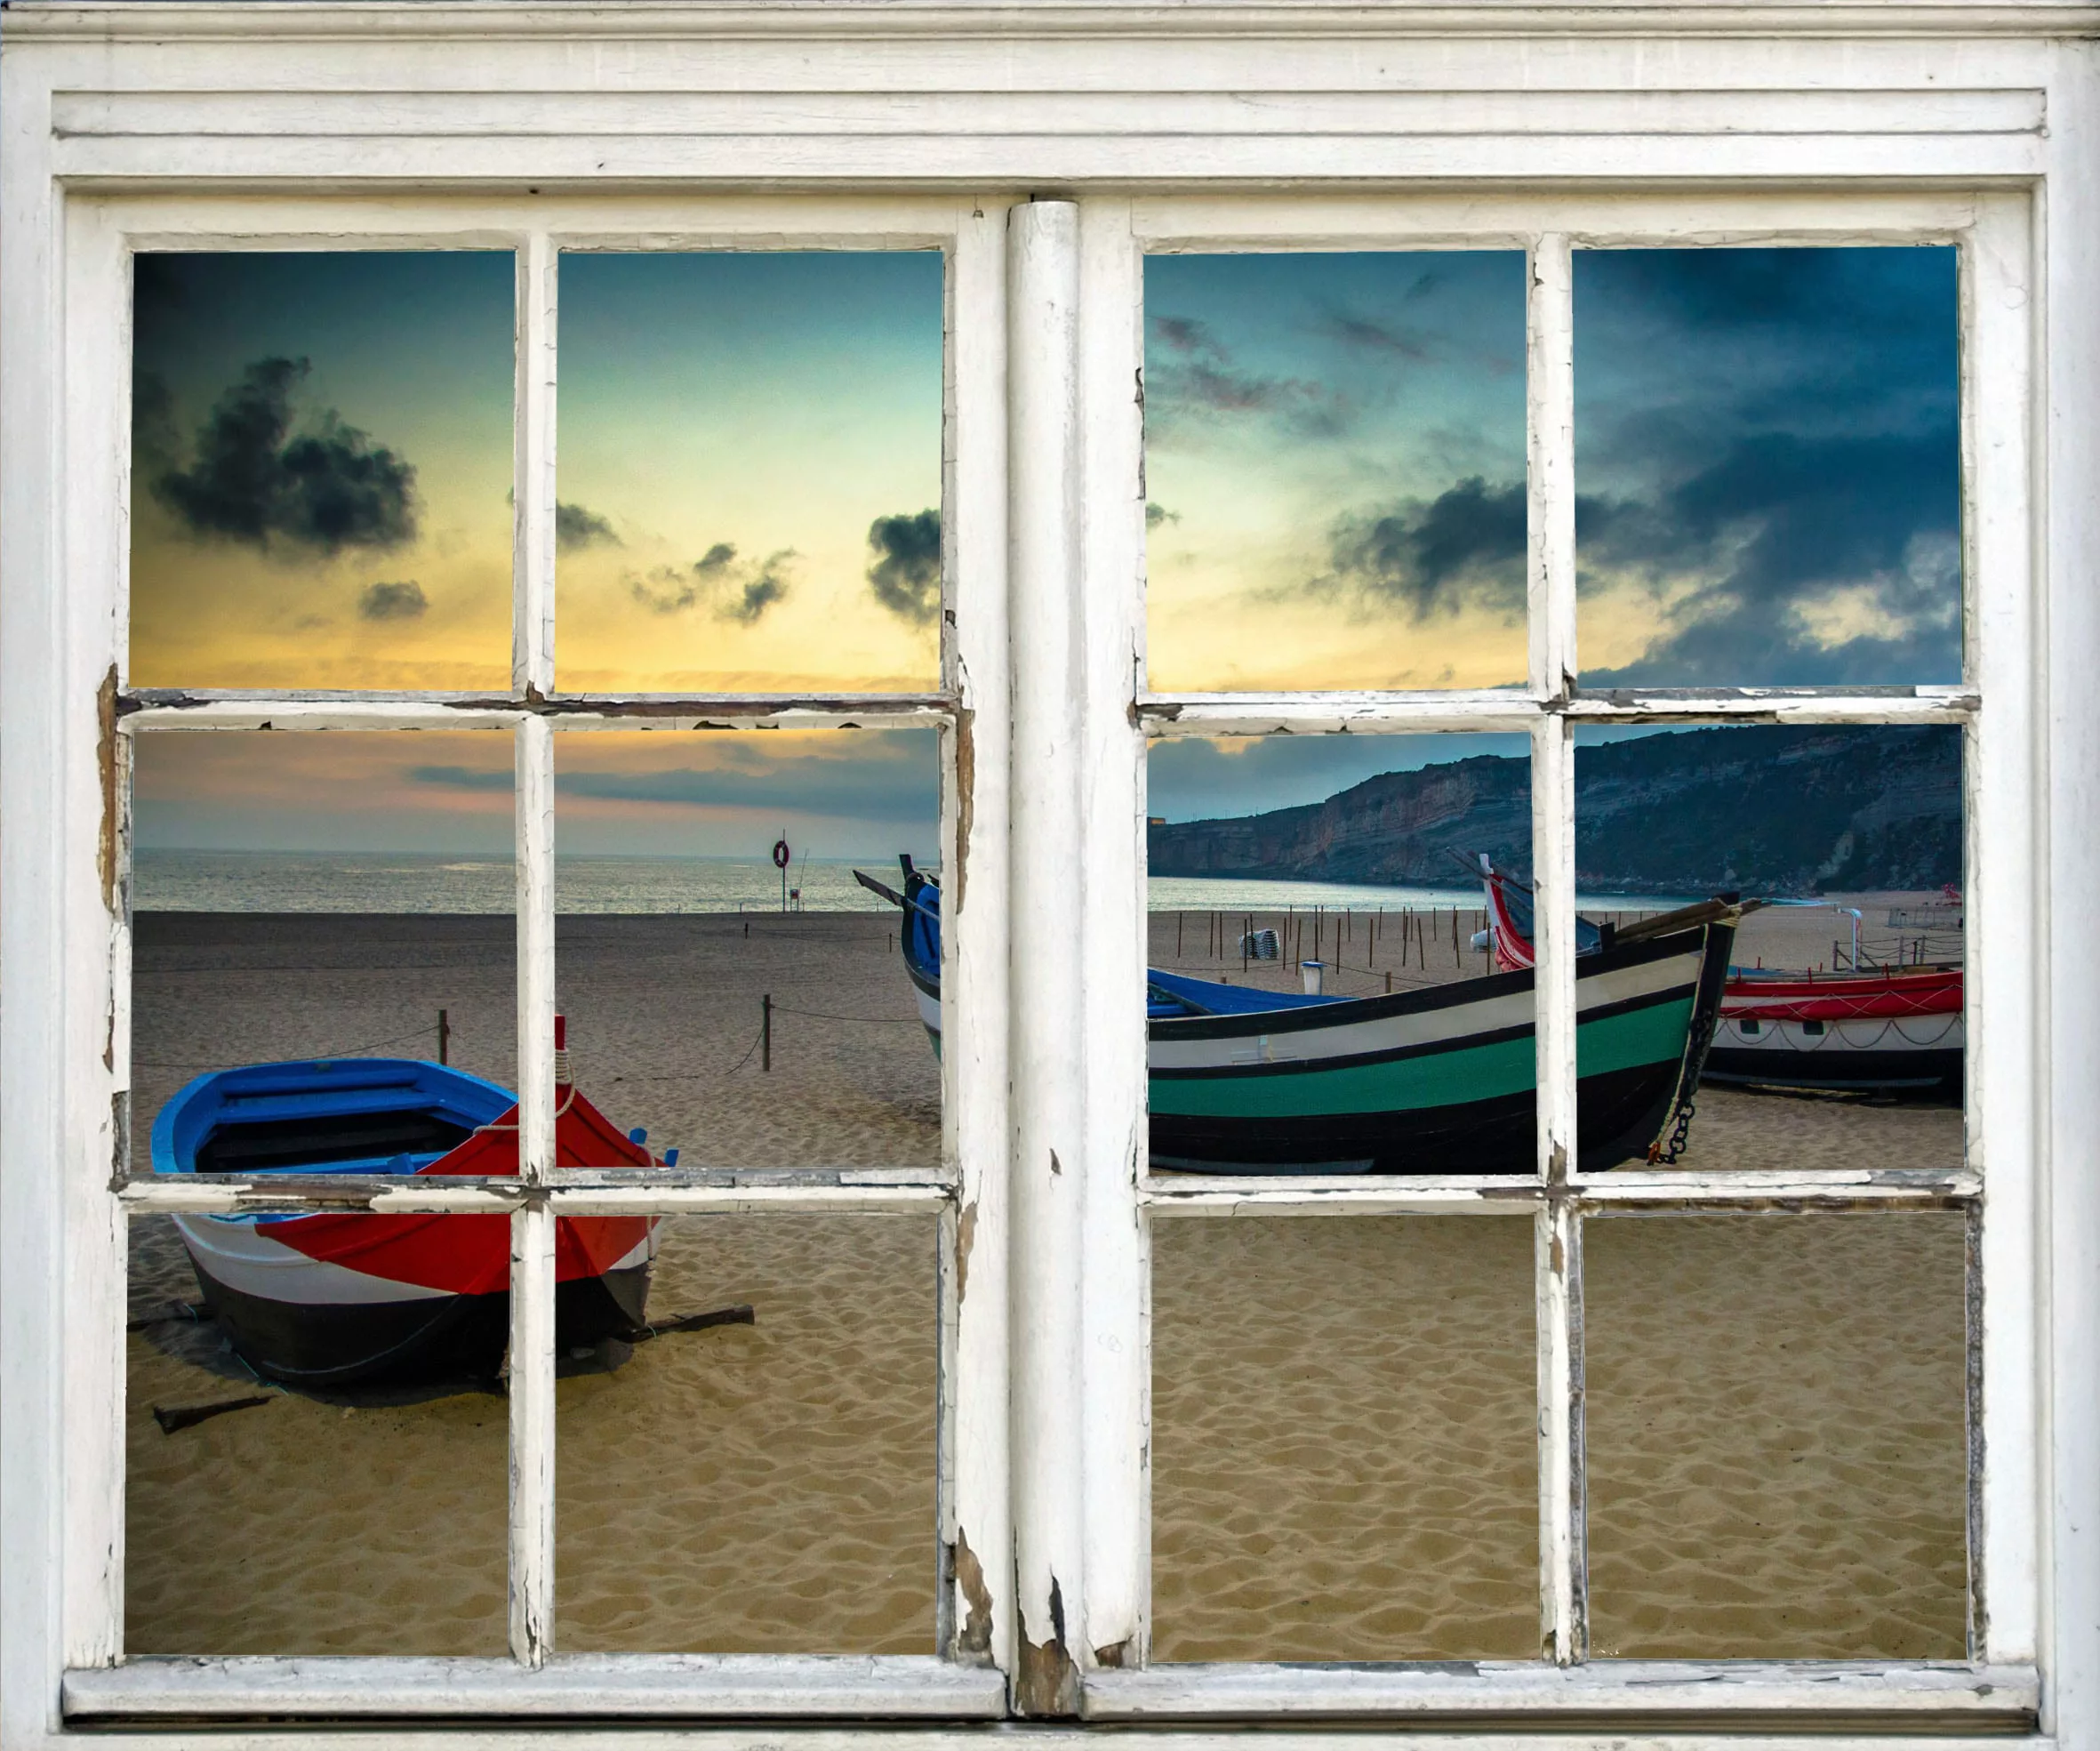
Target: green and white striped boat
[1438,1080]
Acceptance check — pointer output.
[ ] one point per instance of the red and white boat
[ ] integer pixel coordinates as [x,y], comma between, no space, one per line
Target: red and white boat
[327,1299]
[1892,1029]
[1898,1029]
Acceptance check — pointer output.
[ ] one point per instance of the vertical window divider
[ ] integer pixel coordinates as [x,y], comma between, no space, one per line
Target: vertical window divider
[532,634]
[976,1615]
[2010,950]
[1116,1375]
[1549,396]
[530,1365]
[1048,1042]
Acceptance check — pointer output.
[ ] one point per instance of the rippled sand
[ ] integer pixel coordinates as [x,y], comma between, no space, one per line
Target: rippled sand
[764,1488]
[1776,1450]
[1343,1448]
[1343,1461]
[300,1526]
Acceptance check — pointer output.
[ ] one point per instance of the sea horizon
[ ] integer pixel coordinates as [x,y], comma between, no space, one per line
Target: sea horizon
[455,882]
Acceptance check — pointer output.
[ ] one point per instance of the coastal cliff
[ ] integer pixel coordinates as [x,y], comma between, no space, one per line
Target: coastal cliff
[1765,809]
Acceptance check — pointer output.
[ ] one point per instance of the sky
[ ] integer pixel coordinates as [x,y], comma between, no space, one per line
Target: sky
[321,471]
[836,793]
[749,482]
[1334,470]
[1199,778]
[1766,466]
[749,463]
[749,471]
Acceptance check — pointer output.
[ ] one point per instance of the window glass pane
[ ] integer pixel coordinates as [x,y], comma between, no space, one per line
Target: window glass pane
[1315,905]
[338,900]
[1345,1457]
[321,469]
[315,1430]
[1776,1436]
[766,1484]
[323,963]
[1767,451]
[750,472]
[1335,458]
[745,1014]
[1837,1034]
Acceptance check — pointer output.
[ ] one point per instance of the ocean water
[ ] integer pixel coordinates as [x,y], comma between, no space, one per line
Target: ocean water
[1167,894]
[223,881]
[277,881]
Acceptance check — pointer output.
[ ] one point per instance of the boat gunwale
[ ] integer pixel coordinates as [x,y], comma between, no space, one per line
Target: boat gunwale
[1424,999]
[1422,1048]
[162,1141]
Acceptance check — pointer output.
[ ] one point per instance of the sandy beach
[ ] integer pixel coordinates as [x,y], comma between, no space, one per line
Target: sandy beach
[1342,1410]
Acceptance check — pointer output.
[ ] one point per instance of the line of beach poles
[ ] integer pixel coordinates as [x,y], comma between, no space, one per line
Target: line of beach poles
[1419,929]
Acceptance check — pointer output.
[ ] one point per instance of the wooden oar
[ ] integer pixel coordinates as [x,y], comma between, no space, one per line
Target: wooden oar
[1706,912]
[875,886]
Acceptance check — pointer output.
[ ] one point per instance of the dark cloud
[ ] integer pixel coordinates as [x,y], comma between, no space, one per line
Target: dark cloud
[1774,525]
[575,528]
[1465,548]
[1371,335]
[906,575]
[889,780]
[404,600]
[466,777]
[1157,514]
[757,594]
[1730,288]
[1191,376]
[1779,431]
[255,480]
[728,588]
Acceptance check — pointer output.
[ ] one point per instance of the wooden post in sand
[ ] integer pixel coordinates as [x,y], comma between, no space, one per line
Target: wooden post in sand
[766,1032]
[444,1038]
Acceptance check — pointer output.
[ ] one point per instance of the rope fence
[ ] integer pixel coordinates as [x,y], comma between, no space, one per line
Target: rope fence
[318,1057]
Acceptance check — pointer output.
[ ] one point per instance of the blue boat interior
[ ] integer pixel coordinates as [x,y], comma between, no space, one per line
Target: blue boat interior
[340,1116]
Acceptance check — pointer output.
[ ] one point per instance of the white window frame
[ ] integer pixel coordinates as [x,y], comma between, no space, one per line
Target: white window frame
[1540,127]
[1991,232]
[963,1680]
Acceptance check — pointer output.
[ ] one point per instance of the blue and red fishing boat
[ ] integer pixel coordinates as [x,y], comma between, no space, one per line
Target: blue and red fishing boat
[328,1299]
[1435,1080]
